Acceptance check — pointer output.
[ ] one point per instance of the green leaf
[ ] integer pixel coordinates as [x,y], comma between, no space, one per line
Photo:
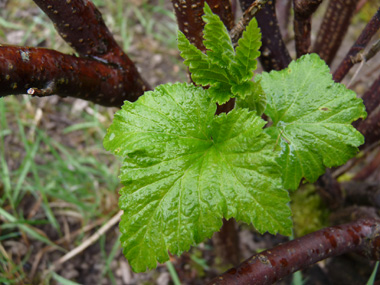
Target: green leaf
[185,169]
[203,70]
[254,100]
[312,115]
[217,40]
[247,52]
[227,73]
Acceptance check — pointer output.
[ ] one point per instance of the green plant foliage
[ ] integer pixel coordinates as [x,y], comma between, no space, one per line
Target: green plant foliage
[228,73]
[312,119]
[185,169]
[255,101]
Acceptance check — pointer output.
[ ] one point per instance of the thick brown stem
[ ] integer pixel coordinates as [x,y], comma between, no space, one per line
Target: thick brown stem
[360,44]
[226,243]
[81,25]
[189,17]
[274,54]
[271,265]
[334,27]
[303,9]
[44,72]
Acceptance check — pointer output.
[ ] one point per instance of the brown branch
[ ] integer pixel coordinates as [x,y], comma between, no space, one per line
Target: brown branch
[226,243]
[274,54]
[104,75]
[369,31]
[371,97]
[271,265]
[303,9]
[44,72]
[223,9]
[370,128]
[333,28]
[81,25]
[248,14]
[189,17]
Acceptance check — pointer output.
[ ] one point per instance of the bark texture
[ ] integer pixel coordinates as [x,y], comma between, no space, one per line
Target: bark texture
[333,28]
[44,72]
[271,265]
[103,73]
[303,9]
[369,31]
[189,17]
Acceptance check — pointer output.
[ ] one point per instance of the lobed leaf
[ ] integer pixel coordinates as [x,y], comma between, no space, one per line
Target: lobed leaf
[312,115]
[184,170]
[217,40]
[247,52]
[228,74]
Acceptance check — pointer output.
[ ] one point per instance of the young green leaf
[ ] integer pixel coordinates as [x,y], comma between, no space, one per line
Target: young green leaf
[217,40]
[255,100]
[227,73]
[185,169]
[312,115]
[247,52]
[203,70]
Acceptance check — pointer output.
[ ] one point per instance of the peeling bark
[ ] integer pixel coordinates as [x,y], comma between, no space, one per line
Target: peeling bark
[303,9]
[369,31]
[274,54]
[333,28]
[44,72]
[267,267]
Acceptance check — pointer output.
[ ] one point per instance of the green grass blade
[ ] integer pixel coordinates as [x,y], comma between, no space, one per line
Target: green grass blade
[173,273]
[371,279]
[63,280]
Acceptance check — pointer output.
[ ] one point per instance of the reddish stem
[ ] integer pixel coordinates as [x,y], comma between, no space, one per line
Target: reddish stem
[44,72]
[271,265]
[369,31]
[81,25]
[189,17]
[334,27]
[303,9]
